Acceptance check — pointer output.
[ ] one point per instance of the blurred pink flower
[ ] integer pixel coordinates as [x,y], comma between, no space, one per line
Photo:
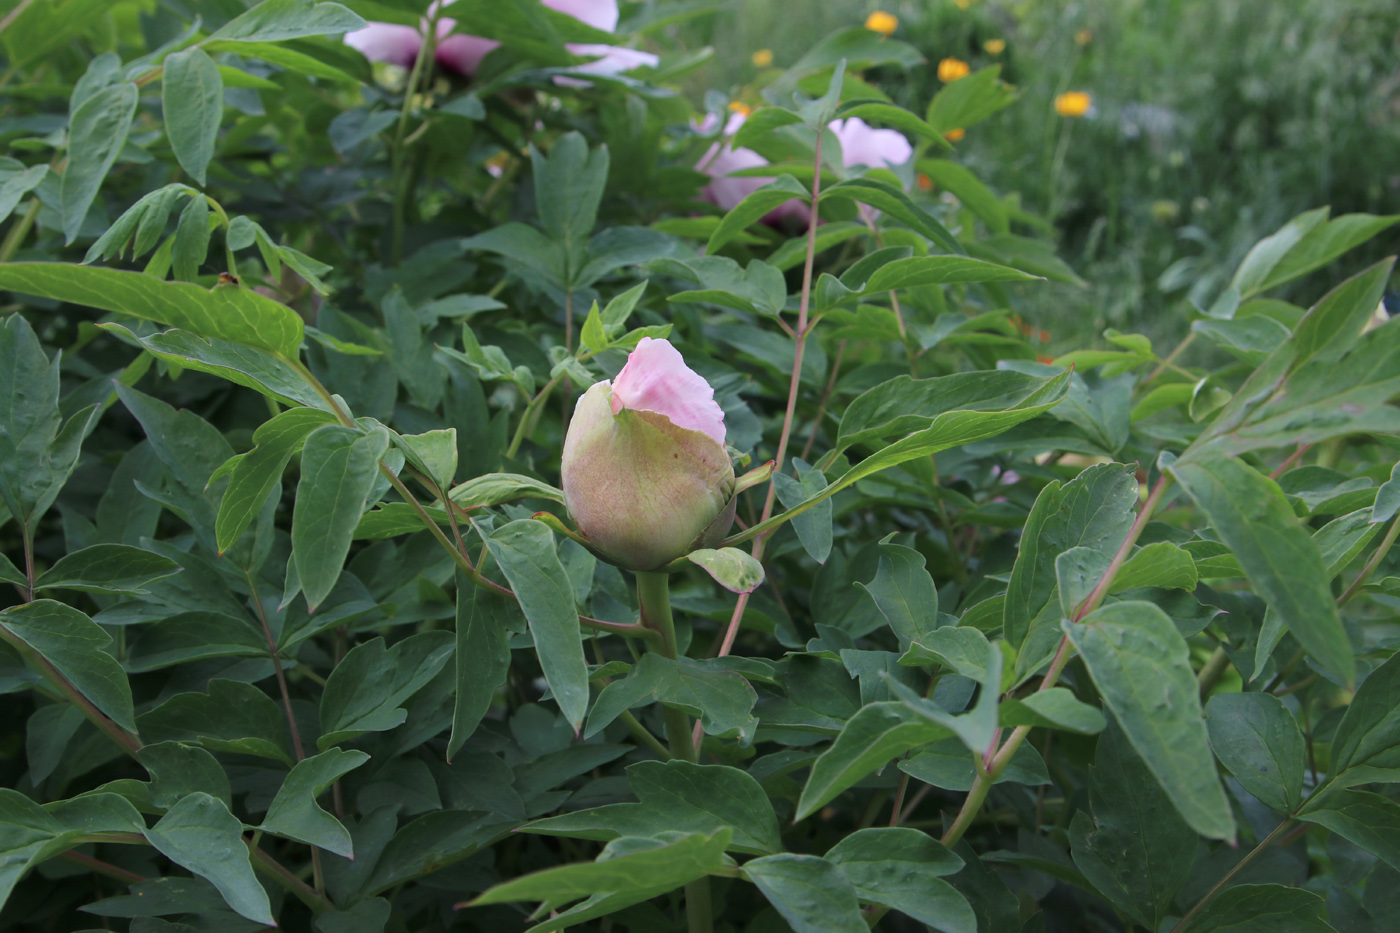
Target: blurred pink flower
[721,159]
[462,53]
[862,144]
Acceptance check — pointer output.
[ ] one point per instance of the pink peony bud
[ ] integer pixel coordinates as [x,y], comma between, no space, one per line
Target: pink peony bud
[645,473]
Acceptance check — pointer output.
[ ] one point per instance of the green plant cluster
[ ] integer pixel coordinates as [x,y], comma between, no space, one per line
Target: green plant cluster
[298,632]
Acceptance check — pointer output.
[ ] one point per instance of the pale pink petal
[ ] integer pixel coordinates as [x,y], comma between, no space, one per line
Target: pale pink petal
[600,14]
[463,53]
[386,42]
[614,59]
[657,379]
[862,144]
[718,163]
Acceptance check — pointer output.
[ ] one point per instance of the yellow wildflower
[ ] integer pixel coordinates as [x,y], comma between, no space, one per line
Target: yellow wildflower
[738,106]
[763,58]
[1073,104]
[881,22]
[951,69]
[955,134]
[925,183]
[994,46]
[1083,37]
[962,4]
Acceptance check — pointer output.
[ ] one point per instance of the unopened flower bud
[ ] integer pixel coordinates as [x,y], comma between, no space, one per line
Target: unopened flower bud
[646,475]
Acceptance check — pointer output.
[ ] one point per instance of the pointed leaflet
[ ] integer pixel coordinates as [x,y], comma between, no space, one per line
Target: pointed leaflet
[1141,666]
[525,550]
[275,20]
[339,470]
[97,130]
[37,449]
[679,796]
[294,813]
[722,699]
[200,834]
[757,203]
[1263,908]
[1369,820]
[253,475]
[368,688]
[1136,849]
[1366,746]
[76,647]
[484,623]
[232,717]
[901,868]
[638,868]
[107,568]
[812,894]
[192,98]
[872,737]
[904,593]
[731,568]
[29,834]
[1255,521]
[226,312]
[1256,737]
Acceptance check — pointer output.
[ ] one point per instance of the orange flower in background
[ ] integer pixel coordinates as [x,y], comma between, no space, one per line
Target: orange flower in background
[1073,104]
[738,106]
[763,58]
[882,22]
[924,182]
[951,69]
[994,46]
[955,134]
[1083,37]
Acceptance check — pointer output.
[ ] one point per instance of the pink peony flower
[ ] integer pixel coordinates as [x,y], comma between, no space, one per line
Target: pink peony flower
[462,53]
[862,144]
[645,473]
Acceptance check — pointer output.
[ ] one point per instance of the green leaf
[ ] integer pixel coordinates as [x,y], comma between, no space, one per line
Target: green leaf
[339,471]
[721,699]
[757,203]
[939,270]
[904,593]
[178,770]
[192,98]
[484,623]
[107,568]
[682,797]
[1369,820]
[253,475]
[495,488]
[891,200]
[368,688]
[191,245]
[1263,908]
[200,834]
[525,550]
[951,765]
[193,636]
[1160,564]
[75,646]
[15,184]
[38,451]
[758,288]
[28,836]
[950,429]
[906,404]
[813,527]
[1307,242]
[733,569]
[812,894]
[640,869]
[1366,746]
[97,130]
[1056,708]
[1282,561]
[231,717]
[901,868]
[872,737]
[224,312]
[969,100]
[897,117]
[1332,326]
[1136,849]
[1141,666]
[970,190]
[1092,513]
[275,20]
[294,813]
[1256,737]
